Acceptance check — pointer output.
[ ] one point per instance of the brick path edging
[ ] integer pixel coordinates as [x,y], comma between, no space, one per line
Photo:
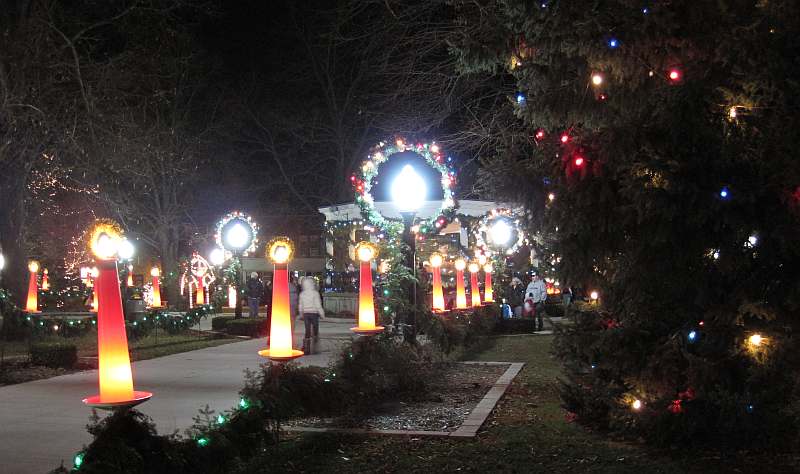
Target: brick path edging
[468,429]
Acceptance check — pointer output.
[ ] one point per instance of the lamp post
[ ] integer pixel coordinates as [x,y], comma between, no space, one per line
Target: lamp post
[237,236]
[114,365]
[438,295]
[365,253]
[408,193]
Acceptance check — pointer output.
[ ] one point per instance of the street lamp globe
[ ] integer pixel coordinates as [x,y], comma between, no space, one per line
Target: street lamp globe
[2,261]
[126,249]
[500,233]
[217,256]
[408,190]
[237,235]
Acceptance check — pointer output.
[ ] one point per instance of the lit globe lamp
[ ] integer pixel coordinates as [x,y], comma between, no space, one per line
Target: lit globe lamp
[461,294]
[436,261]
[32,303]
[279,343]
[155,273]
[237,234]
[114,365]
[475,290]
[366,252]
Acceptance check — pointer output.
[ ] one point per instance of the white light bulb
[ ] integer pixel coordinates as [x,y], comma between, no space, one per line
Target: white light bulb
[105,246]
[126,249]
[408,189]
[217,256]
[237,236]
[500,233]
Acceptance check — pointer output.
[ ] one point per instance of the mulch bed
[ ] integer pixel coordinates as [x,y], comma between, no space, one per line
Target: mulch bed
[451,398]
[21,371]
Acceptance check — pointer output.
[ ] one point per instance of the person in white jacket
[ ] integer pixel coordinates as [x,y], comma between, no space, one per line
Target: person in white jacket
[309,305]
[537,294]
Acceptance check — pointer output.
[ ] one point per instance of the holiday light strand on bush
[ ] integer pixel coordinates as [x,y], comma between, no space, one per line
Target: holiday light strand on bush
[433,155]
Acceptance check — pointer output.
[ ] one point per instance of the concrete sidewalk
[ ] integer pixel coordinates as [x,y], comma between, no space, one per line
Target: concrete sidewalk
[44,422]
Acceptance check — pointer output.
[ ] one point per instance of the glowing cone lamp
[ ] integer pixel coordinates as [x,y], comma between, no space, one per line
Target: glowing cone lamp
[231,296]
[114,365]
[279,347]
[45,280]
[129,281]
[488,291]
[155,273]
[32,303]
[365,252]
[438,295]
[200,295]
[461,293]
[94,274]
[475,290]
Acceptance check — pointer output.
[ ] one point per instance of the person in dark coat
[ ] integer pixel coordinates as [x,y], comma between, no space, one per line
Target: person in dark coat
[255,290]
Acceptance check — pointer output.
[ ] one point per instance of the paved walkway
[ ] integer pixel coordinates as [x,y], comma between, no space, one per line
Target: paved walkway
[44,422]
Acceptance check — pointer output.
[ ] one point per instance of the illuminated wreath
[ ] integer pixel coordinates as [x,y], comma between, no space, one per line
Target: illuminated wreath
[483,235]
[233,216]
[362,183]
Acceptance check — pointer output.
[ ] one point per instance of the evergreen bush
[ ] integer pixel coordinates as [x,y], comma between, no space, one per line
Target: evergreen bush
[54,354]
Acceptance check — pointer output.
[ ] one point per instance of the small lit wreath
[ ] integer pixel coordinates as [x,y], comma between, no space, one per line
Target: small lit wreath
[362,183]
[233,216]
[280,250]
[483,231]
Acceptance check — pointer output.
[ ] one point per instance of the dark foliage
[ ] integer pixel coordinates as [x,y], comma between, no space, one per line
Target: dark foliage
[54,354]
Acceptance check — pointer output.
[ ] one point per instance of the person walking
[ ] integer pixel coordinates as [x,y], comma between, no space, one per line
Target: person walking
[537,294]
[516,296]
[309,305]
[255,290]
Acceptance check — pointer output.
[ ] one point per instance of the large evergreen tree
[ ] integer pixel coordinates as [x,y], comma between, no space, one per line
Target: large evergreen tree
[666,132]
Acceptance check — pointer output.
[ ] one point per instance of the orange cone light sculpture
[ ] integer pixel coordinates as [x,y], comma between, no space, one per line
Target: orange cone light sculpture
[114,365]
[436,269]
[461,294]
[32,303]
[155,273]
[475,290]
[280,251]
[366,252]
[45,280]
[488,291]
[231,296]
[129,281]
[200,295]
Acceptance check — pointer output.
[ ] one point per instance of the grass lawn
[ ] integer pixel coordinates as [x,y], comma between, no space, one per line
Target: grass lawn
[154,345]
[526,433]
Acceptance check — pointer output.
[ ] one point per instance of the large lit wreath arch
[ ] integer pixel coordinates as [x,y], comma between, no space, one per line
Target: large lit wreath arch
[433,155]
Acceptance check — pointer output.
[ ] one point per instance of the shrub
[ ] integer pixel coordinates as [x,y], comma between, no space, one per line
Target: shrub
[54,354]
[251,327]
[220,322]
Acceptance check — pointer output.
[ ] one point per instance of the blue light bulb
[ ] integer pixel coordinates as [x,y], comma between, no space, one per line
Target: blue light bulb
[613,43]
[520,98]
[724,193]
[692,336]
[645,10]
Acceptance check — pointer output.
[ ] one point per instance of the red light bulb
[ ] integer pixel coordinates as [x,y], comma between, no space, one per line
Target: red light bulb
[579,161]
[539,134]
[674,75]
[564,138]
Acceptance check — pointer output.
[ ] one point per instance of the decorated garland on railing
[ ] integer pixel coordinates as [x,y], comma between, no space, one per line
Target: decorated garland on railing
[362,183]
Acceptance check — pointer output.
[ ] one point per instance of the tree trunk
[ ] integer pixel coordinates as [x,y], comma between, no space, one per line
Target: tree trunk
[12,220]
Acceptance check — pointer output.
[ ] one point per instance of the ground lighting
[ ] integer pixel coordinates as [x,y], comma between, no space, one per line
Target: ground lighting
[365,253]
[279,343]
[114,365]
